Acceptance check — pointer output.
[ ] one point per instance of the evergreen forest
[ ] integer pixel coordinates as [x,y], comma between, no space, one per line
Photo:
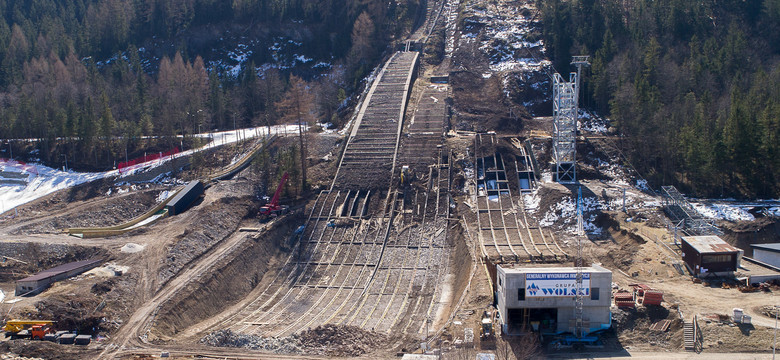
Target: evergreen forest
[98,81]
[693,87]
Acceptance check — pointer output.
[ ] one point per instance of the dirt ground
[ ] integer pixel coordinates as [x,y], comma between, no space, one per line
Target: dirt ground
[167,266]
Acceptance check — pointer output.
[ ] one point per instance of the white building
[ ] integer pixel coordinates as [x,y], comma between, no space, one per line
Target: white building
[767,253]
[543,299]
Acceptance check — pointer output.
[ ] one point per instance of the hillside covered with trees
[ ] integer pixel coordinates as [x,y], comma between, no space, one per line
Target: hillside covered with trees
[91,79]
[694,87]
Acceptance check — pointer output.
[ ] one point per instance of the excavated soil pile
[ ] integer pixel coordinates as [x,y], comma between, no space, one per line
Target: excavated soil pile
[110,212]
[478,104]
[33,350]
[328,340]
[71,313]
[744,233]
[633,325]
[40,257]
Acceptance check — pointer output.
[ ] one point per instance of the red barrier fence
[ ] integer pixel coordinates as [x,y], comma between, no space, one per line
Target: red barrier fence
[19,164]
[146,158]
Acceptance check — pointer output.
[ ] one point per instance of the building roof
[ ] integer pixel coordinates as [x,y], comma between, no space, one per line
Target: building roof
[558,269]
[774,247]
[45,274]
[709,244]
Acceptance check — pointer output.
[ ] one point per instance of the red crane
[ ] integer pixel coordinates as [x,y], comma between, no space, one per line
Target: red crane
[273,208]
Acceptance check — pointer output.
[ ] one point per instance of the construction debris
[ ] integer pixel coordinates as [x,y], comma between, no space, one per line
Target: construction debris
[328,340]
[661,326]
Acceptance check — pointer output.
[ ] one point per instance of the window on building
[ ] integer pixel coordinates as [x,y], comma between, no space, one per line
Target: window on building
[594,293]
[521,294]
[711,259]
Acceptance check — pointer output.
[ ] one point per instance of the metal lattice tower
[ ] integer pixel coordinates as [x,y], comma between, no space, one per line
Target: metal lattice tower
[578,300]
[565,104]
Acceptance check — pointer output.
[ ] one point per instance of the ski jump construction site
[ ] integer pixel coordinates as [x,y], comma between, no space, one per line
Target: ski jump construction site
[370,255]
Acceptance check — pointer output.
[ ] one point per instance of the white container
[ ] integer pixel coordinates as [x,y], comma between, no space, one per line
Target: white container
[737,315]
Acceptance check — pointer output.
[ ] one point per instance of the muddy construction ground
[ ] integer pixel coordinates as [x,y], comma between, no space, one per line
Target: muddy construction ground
[408,212]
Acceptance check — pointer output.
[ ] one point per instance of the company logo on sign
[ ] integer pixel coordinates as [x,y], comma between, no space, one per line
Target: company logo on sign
[555,284]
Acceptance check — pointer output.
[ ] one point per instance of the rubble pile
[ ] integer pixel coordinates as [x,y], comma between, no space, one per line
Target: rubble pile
[333,340]
[215,222]
[329,340]
[227,338]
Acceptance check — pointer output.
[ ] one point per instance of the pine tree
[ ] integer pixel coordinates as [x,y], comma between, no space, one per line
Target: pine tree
[298,105]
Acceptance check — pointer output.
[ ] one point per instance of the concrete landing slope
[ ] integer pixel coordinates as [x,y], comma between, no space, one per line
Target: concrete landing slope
[370,154]
[159,211]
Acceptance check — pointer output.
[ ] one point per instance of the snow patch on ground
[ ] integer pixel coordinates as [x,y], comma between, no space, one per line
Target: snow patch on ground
[165,194]
[592,123]
[723,211]
[564,213]
[50,180]
[531,201]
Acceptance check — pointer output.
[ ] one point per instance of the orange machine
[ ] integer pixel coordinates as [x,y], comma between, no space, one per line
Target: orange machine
[38,331]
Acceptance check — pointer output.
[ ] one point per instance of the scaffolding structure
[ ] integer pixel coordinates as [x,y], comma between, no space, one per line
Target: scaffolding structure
[684,216]
[565,127]
[565,105]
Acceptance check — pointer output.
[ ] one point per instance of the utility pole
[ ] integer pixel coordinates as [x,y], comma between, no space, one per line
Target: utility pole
[578,300]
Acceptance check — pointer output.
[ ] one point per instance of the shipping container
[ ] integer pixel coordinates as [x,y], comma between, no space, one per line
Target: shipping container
[83,339]
[185,198]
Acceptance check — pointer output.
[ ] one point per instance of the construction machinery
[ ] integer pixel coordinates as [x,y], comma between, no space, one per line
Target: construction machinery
[273,209]
[487,335]
[36,329]
[406,175]
[39,331]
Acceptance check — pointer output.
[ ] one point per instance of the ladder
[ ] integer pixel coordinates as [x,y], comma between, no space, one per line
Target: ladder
[689,336]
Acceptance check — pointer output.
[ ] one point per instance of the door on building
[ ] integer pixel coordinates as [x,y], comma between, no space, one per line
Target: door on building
[523,320]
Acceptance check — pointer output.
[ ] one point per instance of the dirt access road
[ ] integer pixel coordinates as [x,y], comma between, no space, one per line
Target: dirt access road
[131,333]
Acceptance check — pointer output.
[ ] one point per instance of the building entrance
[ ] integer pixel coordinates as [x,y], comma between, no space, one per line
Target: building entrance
[522,320]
